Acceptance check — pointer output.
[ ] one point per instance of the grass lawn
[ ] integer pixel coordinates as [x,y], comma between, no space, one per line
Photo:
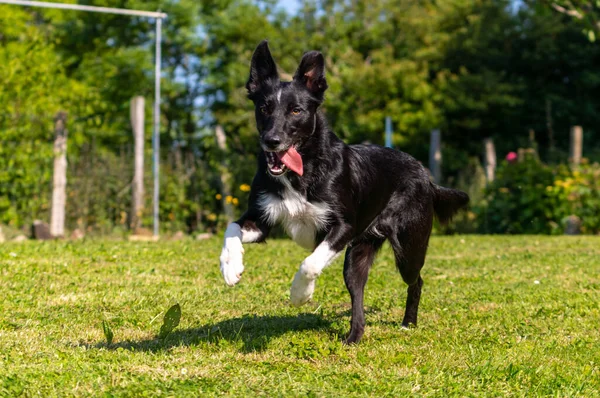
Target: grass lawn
[499,316]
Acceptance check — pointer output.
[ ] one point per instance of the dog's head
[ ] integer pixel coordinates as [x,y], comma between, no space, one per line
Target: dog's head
[286,112]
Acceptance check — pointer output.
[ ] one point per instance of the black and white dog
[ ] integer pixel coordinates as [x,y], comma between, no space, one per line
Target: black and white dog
[329,195]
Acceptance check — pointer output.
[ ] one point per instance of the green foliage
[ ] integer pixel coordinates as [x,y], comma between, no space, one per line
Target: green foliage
[32,88]
[531,197]
[475,69]
[170,321]
[585,12]
[472,181]
[576,191]
[517,201]
[88,65]
[108,333]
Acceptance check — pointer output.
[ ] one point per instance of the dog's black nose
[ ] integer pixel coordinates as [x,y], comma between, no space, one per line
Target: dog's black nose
[271,141]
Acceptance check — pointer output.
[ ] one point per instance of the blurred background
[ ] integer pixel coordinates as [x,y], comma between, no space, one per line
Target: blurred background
[512,87]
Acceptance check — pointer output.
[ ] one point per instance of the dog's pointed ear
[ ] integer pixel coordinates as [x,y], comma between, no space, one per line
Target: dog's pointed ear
[262,69]
[311,73]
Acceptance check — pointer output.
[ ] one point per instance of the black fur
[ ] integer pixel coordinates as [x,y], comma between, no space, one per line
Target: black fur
[374,193]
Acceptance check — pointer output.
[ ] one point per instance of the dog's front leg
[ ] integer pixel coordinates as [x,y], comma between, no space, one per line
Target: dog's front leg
[247,229]
[303,285]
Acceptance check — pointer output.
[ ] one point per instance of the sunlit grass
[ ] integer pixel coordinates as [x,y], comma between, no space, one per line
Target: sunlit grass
[500,316]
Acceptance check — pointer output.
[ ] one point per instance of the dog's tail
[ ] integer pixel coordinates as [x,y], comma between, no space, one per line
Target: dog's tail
[447,202]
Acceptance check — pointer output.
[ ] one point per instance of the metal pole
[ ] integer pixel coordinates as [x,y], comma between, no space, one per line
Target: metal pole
[156,132]
[78,7]
[388,132]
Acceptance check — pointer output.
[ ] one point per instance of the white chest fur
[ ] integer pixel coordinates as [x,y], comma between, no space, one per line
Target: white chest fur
[300,218]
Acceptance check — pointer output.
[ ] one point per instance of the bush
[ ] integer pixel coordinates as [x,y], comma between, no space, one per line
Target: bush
[517,201]
[576,191]
[471,179]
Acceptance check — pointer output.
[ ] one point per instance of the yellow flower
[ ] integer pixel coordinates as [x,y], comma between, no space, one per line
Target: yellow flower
[228,199]
[219,196]
[504,190]
[212,217]
[235,201]
[245,188]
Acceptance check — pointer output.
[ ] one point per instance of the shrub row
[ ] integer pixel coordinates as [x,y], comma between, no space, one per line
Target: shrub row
[529,196]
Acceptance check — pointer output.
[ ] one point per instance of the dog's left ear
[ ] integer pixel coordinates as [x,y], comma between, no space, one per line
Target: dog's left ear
[311,73]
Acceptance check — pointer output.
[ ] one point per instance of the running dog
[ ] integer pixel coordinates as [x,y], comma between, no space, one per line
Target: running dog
[330,196]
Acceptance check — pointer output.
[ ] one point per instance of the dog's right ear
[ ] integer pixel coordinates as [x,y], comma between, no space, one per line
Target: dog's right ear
[262,69]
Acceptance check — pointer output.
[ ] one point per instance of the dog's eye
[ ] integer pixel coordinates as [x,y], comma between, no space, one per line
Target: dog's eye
[296,111]
[264,110]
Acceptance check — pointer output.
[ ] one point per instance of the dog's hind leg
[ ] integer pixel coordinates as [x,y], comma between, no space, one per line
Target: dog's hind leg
[410,250]
[358,261]
[412,303]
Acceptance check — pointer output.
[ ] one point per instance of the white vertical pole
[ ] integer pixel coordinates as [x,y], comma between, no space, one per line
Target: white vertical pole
[156,132]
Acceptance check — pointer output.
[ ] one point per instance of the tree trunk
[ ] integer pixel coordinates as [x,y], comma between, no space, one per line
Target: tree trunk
[59,195]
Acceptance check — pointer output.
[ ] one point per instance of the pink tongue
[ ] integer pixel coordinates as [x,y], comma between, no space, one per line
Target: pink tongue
[292,159]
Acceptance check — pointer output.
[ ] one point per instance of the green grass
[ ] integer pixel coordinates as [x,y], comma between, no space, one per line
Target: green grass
[486,328]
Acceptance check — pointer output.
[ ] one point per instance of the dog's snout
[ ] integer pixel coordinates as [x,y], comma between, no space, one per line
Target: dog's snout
[272,141]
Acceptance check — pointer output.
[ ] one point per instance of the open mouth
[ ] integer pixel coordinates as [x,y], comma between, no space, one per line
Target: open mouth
[274,164]
[280,162]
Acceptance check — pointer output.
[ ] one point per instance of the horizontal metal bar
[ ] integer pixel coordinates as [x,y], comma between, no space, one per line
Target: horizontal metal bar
[78,7]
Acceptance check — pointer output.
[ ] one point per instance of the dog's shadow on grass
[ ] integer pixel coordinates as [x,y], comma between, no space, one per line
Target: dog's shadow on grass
[254,332]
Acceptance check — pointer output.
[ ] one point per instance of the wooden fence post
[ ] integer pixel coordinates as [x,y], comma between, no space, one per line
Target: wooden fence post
[576,147]
[225,174]
[435,156]
[59,183]
[532,137]
[490,159]
[137,189]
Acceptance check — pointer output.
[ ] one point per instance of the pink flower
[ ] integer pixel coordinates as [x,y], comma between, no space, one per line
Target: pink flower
[511,157]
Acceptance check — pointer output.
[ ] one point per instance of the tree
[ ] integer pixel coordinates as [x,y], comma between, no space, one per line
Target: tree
[33,89]
[587,12]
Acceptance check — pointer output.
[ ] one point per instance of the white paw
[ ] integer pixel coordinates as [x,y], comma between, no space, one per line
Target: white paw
[302,289]
[232,257]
